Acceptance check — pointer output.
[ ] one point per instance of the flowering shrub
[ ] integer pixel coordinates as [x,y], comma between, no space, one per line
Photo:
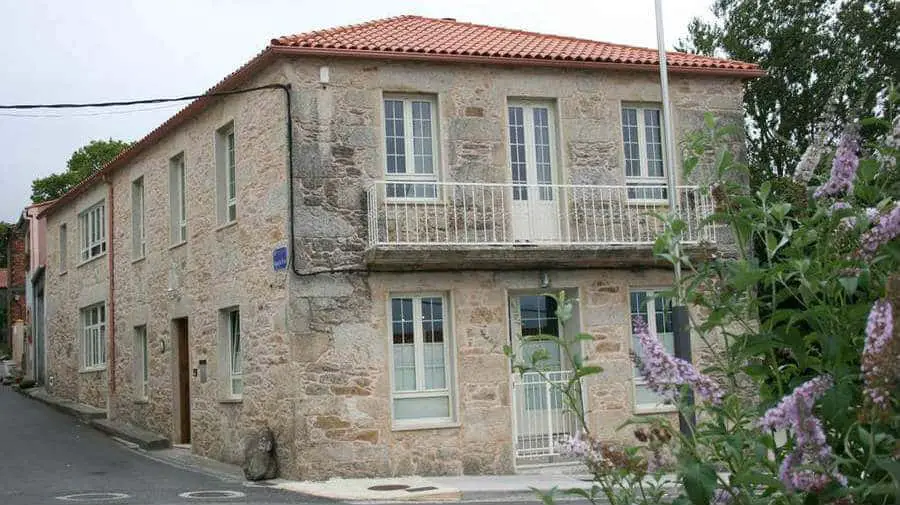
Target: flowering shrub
[799,402]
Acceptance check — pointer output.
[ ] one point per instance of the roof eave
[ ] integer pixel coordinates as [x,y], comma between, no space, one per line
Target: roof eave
[506,61]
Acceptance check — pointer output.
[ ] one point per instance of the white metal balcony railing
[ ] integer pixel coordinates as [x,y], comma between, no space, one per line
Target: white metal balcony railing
[457,213]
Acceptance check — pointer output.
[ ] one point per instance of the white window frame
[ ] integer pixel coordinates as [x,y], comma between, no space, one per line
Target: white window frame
[410,176]
[226,174]
[638,380]
[138,212]
[449,392]
[63,248]
[644,179]
[232,360]
[93,337]
[141,357]
[93,231]
[177,199]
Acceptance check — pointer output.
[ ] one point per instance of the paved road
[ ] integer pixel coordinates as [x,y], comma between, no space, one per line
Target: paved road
[48,458]
[45,455]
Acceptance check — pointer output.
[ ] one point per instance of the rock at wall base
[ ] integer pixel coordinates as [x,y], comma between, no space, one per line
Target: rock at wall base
[259,456]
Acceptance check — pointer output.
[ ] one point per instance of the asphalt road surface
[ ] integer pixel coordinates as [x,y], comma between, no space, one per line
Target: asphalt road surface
[49,458]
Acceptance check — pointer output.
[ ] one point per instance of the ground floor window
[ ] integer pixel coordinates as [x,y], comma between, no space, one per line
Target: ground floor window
[656,310]
[93,337]
[421,359]
[141,364]
[232,355]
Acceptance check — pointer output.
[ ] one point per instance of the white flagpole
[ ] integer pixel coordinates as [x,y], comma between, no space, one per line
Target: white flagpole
[668,133]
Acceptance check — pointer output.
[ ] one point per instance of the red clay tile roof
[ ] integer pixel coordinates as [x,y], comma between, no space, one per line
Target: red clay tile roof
[4,278]
[445,37]
[416,37]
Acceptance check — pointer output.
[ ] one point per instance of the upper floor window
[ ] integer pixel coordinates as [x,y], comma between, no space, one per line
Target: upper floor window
[63,248]
[177,200]
[411,149]
[643,145]
[93,337]
[93,231]
[138,240]
[226,185]
[656,310]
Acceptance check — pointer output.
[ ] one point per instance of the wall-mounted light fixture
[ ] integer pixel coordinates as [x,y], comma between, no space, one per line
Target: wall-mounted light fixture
[544,280]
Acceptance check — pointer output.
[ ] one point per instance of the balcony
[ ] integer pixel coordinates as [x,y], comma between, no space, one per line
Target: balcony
[421,225]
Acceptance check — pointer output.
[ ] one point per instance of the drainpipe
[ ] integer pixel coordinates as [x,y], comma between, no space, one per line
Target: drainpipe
[680,315]
[111,304]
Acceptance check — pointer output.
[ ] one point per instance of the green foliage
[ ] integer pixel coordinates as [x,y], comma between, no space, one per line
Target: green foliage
[828,62]
[83,162]
[791,304]
[4,243]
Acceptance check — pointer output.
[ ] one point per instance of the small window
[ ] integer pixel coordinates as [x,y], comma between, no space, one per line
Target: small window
[177,200]
[63,248]
[226,174]
[232,352]
[93,231]
[642,139]
[656,310]
[141,364]
[421,361]
[138,240]
[411,147]
[93,337]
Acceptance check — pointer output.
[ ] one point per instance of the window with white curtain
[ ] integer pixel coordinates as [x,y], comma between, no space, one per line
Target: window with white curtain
[93,231]
[411,146]
[642,138]
[177,200]
[421,357]
[93,337]
[656,310]
[231,352]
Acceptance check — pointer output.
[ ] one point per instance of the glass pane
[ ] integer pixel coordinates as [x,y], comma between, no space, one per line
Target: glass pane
[422,408]
[653,139]
[402,320]
[542,151]
[517,152]
[630,140]
[237,385]
[235,332]
[411,190]
[422,138]
[538,317]
[404,367]
[145,357]
[231,163]
[647,192]
[435,370]
[644,397]
[395,147]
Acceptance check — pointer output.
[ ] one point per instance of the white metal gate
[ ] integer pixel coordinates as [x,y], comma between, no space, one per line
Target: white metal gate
[542,419]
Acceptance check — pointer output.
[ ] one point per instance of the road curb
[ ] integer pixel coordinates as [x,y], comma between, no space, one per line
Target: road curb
[84,413]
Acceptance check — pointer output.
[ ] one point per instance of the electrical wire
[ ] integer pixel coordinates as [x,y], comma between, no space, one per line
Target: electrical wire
[89,114]
[130,102]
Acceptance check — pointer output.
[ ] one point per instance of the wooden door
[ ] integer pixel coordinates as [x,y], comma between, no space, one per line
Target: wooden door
[184,380]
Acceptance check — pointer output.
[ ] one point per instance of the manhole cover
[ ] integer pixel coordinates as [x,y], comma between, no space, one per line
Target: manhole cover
[94,497]
[388,487]
[207,495]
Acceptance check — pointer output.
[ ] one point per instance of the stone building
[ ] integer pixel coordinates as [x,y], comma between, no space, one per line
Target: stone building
[341,250]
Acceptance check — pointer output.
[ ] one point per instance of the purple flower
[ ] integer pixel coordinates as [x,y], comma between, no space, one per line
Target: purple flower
[804,468]
[722,497]
[886,228]
[843,169]
[878,363]
[664,372]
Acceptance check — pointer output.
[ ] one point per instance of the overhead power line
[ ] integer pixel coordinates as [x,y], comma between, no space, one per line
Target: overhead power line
[87,114]
[133,102]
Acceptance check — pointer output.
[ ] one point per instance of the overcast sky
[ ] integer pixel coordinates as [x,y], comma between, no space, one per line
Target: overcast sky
[103,50]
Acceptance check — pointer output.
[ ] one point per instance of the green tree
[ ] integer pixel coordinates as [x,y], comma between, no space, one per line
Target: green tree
[83,162]
[828,61]
[4,243]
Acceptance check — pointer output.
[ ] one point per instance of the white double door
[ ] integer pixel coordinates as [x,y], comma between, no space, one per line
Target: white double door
[535,201]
